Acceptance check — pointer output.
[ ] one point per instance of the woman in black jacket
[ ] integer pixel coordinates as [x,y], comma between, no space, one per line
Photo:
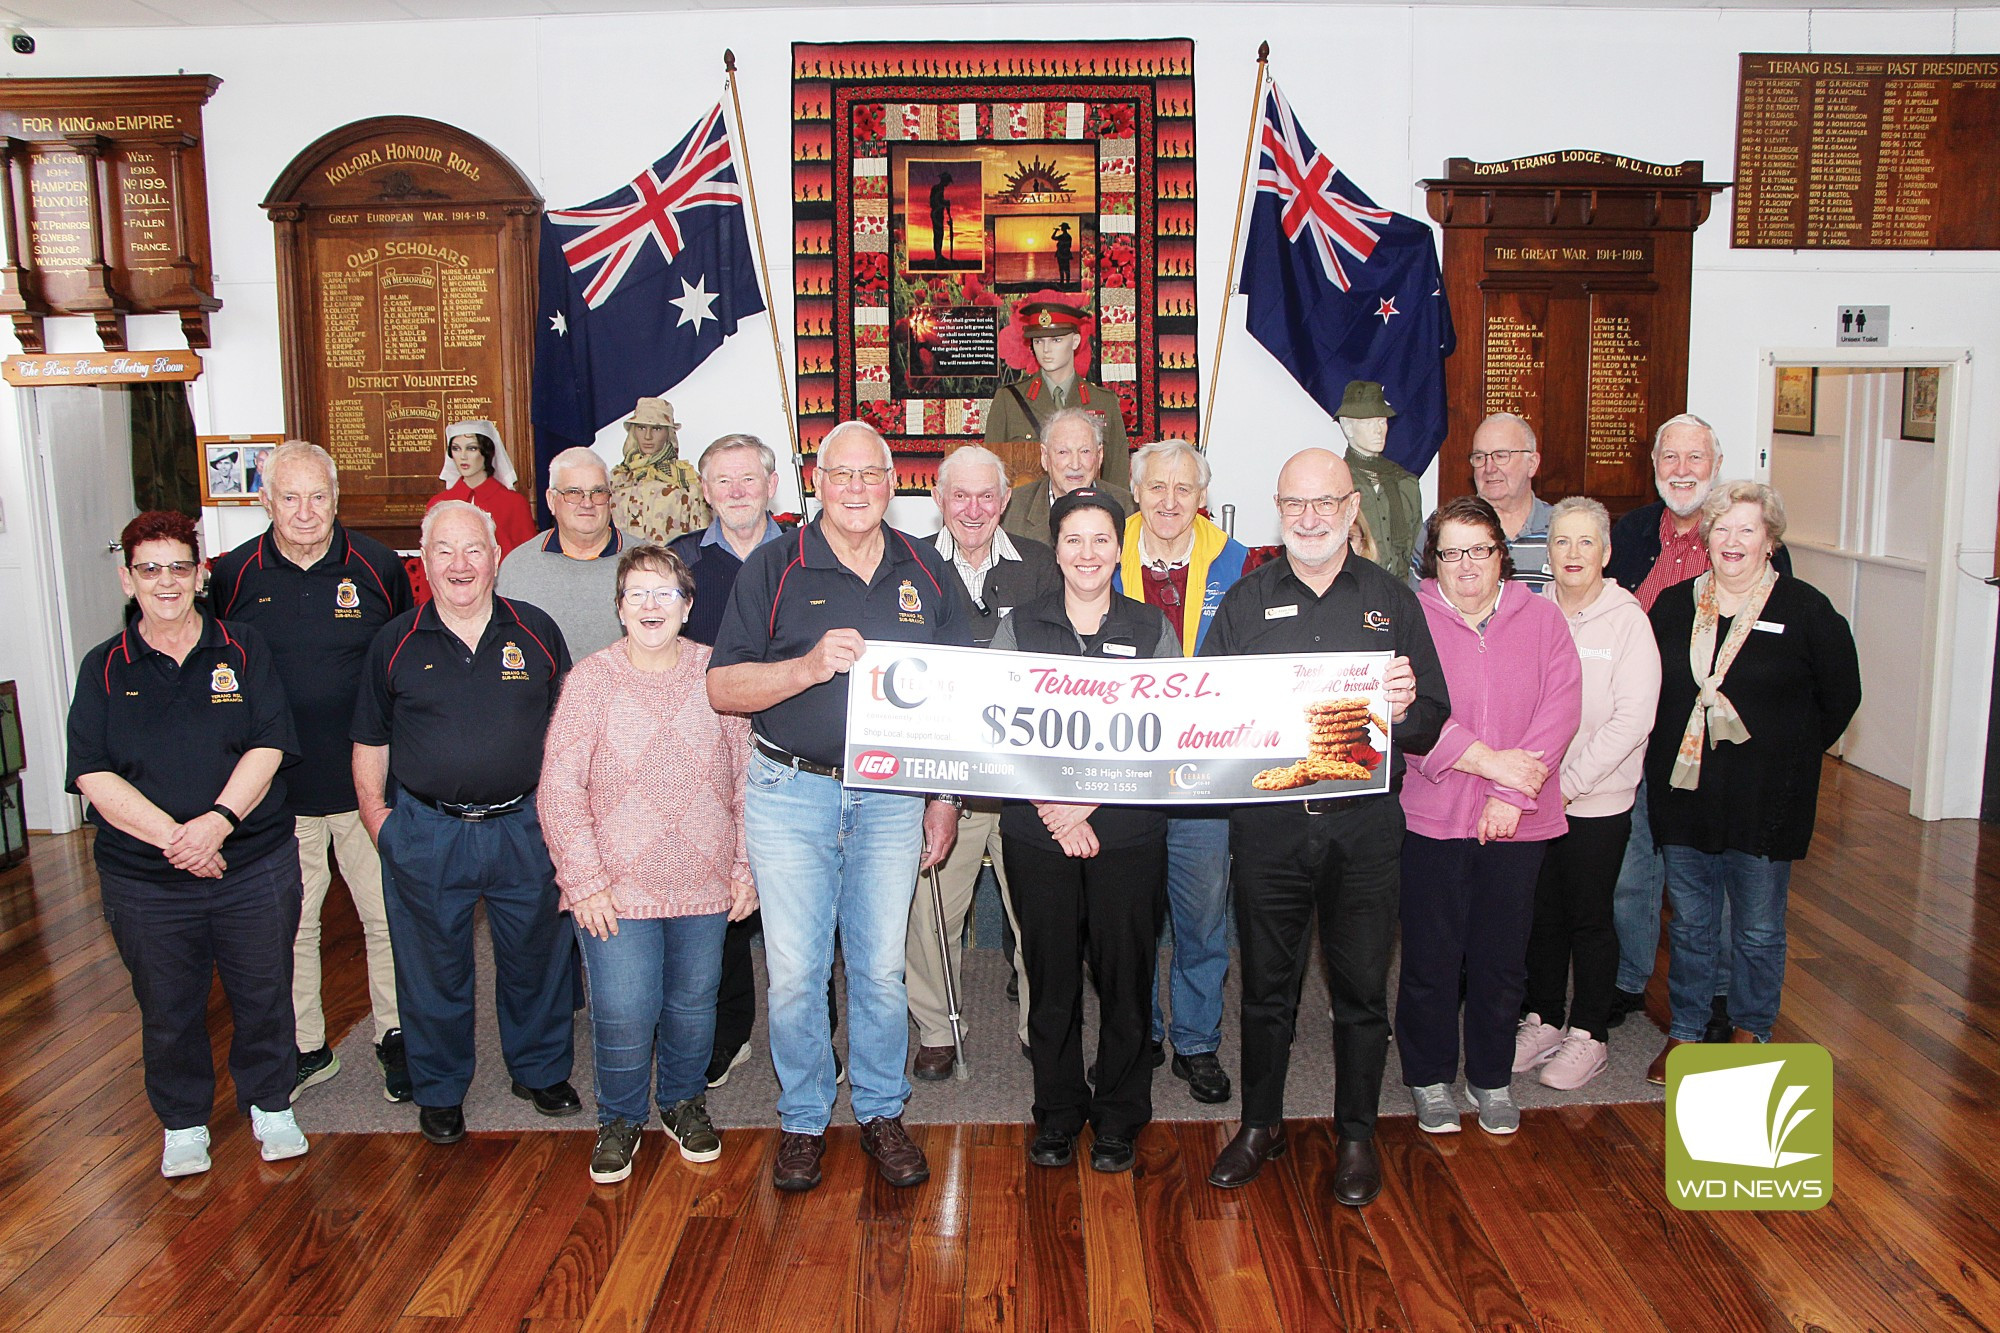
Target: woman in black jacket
[1089,881]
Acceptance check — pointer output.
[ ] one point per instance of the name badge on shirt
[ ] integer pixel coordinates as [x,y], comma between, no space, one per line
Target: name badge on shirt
[1279,612]
[1769,627]
[1120,650]
[1601,654]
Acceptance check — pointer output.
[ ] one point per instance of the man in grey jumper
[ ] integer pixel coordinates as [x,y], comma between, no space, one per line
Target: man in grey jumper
[571,571]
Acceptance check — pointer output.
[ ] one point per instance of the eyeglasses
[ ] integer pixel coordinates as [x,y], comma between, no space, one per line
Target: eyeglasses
[1498,457]
[153,569]
[576,495]
[1163,579]
[1291,506]
[651,596]
[841,476]
[1453,554]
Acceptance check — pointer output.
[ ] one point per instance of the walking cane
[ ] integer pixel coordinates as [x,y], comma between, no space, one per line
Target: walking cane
[959,1069]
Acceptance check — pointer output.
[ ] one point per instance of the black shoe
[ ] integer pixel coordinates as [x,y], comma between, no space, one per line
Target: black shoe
[1014,987]
[725,1061]
[1205,1077]
[1111,1153]
[1624,1002]
[1052,1147]
[1357,1173]
[1719,1029]
[315,1067]
[441,1124]
[1238,1164]
[556,1099]
[396,1086]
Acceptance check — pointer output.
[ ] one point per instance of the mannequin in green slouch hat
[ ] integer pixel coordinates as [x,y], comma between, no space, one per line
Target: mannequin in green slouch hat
[1390,499]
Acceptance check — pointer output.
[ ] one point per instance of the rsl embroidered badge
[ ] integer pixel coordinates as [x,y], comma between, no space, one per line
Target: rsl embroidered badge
[222,680]
[347,596]
[511,658]
[907,599]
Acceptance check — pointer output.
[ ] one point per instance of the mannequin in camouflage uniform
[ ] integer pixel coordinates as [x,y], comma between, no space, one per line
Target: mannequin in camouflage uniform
[655,493]
[1019,410]
[1390,499]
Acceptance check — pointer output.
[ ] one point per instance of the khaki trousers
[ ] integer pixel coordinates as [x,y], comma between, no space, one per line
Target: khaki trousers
[978,837]
[361,868]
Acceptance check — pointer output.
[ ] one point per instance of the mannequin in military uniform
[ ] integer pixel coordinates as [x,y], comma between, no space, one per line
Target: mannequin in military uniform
[1019,410]
[1390,500]
[655,493]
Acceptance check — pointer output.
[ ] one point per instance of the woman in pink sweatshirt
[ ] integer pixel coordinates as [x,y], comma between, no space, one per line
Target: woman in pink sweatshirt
[1600,774]
[1480,808]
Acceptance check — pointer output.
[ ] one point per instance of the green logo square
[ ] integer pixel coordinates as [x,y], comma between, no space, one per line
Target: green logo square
[1749,1127]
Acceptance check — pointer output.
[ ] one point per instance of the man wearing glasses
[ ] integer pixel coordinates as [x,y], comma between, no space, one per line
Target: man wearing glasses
[828,856]
[571,571]
[1339,860]
[1504,458]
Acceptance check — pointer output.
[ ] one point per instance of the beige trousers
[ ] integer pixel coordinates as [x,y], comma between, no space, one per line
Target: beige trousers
[978,837]
[361,868]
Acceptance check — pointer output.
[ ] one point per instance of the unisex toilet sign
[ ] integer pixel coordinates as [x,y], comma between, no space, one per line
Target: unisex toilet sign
[975,722]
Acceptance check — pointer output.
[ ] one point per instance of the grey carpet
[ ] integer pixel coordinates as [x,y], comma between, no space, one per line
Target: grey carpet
[999,1091]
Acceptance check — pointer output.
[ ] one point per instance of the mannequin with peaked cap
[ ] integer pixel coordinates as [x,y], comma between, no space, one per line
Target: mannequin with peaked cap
[478,470]
[1390,499]
[1054,331]
[655,493]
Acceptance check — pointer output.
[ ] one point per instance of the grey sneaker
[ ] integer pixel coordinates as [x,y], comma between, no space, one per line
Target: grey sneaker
[617,1145]
[1437,1113]
[1497,1112]
[687,1124]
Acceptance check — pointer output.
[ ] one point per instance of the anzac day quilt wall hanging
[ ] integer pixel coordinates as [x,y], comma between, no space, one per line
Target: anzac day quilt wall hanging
[939,186]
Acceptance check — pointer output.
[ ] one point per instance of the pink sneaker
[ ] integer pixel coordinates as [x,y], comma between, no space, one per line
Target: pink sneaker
[1580,1059]
[1534,1042]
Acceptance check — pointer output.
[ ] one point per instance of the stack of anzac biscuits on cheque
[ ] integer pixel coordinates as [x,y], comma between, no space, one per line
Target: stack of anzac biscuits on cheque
[1335,728]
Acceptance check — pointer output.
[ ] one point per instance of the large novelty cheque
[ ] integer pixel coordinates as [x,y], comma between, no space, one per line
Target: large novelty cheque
[1206,730]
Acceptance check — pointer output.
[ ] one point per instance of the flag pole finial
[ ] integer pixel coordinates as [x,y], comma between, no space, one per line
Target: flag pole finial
[1263,52]
[729,60]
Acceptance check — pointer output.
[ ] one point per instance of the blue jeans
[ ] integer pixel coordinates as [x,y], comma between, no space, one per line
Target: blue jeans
[1198,904]
[1753,889]
[828,856]
[652,989]
[1635,908]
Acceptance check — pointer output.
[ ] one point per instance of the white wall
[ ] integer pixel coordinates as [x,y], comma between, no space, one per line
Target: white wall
[581,103]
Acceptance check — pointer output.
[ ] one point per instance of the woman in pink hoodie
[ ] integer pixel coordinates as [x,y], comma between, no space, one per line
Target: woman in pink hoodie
[1600,774]
[1480,807]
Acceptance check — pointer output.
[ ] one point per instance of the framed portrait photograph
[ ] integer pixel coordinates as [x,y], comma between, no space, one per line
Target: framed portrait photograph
[232,467]
[1920,398]
[1792,400]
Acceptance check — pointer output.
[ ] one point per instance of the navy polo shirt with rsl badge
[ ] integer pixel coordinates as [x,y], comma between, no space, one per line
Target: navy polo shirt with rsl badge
[792,591]
[175,731]
[319,623]
[462,725]
[1364,610]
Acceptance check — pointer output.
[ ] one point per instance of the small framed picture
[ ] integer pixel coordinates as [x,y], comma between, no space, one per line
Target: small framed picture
[13,753]
[232,467]
[1792,400]
[1920,395]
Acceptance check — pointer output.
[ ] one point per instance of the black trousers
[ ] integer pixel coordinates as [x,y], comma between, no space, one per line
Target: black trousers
[1105,909]
[1286,865]
[736,999]
[174,939]
[1573,926]
[1466,911]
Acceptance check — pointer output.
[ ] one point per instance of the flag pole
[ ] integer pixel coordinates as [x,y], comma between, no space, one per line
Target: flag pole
[1235,237]
[764,279]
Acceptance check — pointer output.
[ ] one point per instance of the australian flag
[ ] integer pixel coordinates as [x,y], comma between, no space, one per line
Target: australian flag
[638,288]
[1342,290]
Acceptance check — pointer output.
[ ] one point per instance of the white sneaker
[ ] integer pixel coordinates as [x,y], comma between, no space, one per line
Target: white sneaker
[1581,1058]
[186,1152]
[1437,1113]
[279,1132]
[1534,1042]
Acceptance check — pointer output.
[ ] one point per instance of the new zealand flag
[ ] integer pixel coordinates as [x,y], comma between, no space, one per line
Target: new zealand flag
[1342,290]
[638,288]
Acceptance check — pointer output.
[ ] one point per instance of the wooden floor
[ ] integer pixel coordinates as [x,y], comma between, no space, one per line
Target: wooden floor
[1895,967]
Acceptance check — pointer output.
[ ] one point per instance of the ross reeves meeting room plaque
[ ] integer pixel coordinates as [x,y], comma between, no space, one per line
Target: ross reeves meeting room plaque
[1868,152]
[406,285]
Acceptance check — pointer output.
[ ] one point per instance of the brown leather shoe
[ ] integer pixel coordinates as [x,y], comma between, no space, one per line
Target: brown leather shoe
[896,1154]
[1238,1164]
[1743,1037]
[1357,1173]
[797,1167]
[1656,1072]
[933,1064]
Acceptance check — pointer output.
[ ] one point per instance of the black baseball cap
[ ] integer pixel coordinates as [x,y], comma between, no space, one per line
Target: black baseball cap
[1084,497]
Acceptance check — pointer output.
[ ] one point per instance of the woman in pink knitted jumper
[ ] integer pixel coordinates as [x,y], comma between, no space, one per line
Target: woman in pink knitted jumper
[641,804]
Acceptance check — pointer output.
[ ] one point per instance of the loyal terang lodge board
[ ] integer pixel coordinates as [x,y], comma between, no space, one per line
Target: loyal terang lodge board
[1868,152]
